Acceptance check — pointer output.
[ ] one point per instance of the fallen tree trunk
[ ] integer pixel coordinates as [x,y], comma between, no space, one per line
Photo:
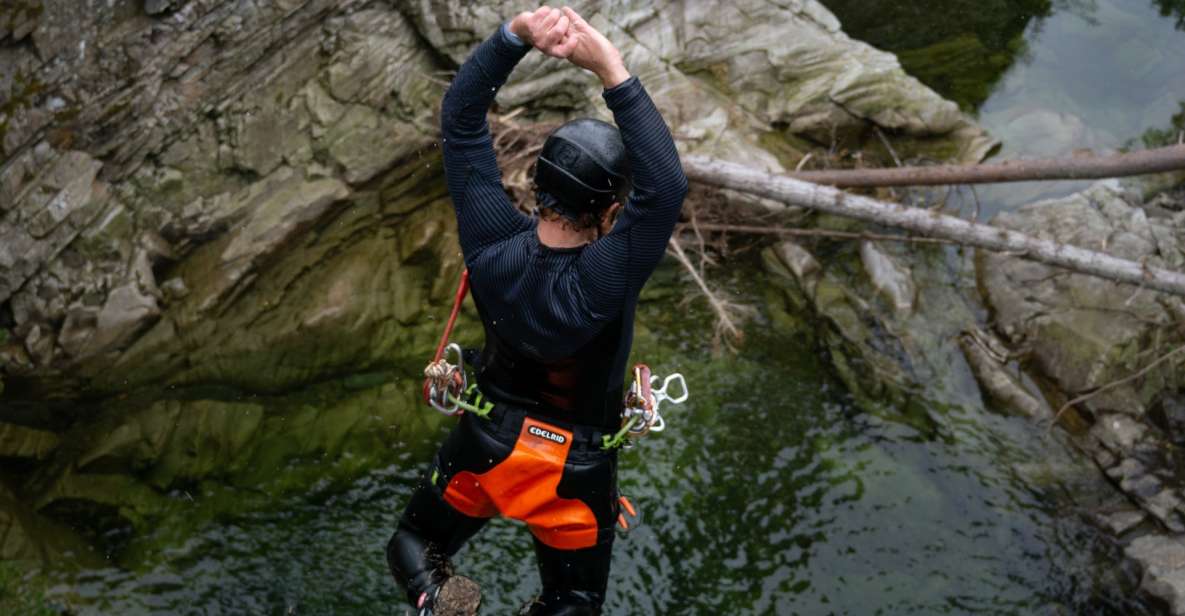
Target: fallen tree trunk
[1157,160]
[928,222]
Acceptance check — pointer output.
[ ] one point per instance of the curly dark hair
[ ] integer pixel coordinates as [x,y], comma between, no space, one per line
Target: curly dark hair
[546,210]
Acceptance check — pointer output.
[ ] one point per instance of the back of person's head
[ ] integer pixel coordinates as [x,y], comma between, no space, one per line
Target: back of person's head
[581,171]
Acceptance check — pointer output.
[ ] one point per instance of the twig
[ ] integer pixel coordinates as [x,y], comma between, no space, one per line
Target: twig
[1141,162]
[1113,384]
[802,163]
[846,235]
[722,308]
[699,237]
[888,146]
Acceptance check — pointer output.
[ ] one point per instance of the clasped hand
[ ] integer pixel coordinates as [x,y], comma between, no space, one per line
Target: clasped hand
[562,33]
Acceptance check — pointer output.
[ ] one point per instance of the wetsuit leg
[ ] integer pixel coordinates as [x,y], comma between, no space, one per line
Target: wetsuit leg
[429,532]
[574,581]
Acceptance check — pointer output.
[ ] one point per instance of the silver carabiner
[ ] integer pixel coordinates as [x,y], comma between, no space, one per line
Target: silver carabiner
[439,399]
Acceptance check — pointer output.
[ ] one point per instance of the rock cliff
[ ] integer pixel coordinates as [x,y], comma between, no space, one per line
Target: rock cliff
[211,212]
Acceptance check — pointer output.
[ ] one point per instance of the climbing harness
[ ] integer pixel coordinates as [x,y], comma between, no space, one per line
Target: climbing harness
[447,388]
[640,415]
[445,383]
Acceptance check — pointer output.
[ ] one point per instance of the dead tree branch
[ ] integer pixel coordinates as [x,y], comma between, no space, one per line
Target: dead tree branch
[728,313]
[930,223]
[1158,160]
[842,235]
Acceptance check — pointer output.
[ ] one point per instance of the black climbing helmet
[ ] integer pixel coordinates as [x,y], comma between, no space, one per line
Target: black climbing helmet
[582,168]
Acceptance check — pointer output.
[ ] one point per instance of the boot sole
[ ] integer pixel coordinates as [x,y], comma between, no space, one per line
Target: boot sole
[460,596]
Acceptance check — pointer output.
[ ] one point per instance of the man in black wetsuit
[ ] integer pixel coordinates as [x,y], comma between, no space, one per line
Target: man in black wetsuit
[557,295]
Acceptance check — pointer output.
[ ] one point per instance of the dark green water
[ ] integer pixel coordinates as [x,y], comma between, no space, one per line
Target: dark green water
[771,492]
[768,493]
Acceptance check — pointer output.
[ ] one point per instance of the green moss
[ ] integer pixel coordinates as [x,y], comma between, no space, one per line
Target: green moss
[1173,8]
[24,90]
[788,148]
[21,596]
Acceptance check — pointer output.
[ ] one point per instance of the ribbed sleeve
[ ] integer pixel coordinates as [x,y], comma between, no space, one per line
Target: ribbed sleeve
[484,213]
[614,268]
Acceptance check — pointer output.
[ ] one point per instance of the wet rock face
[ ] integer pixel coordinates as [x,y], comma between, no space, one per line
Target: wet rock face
[726,73]
[136,139]
[888,337]
[255,124]
[1164,568]
[1082,331]
[245,196]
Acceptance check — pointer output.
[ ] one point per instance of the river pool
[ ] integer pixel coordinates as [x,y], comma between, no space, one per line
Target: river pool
[771,491]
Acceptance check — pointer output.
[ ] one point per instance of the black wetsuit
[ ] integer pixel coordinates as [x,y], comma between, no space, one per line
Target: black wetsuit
[559,325]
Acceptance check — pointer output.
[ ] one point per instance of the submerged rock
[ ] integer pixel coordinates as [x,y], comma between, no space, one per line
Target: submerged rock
[1163,559]
[889,339]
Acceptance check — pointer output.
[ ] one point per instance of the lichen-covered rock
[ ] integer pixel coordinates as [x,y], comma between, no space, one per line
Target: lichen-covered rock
[219,121]
[786,65]
[245,197]
[1084,331]
[1163,561]
[888,338]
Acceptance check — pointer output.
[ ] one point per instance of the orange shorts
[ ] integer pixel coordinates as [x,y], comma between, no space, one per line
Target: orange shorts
[554,479]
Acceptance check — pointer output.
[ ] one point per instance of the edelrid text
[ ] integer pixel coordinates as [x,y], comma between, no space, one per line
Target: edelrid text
[547,434]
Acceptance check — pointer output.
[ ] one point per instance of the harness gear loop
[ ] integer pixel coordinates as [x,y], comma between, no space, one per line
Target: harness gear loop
[444,382]
[640,415]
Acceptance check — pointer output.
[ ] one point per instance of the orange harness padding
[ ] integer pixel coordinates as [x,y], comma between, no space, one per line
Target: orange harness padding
[523,487]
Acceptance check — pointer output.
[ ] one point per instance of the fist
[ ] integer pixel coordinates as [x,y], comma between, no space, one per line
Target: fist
[589,49]
[546,29]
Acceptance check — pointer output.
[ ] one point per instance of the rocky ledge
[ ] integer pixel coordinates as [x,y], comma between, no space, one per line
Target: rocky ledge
[903,323]
[213,213]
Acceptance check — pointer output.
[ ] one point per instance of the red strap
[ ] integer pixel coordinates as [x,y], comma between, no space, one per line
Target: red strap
[462,290]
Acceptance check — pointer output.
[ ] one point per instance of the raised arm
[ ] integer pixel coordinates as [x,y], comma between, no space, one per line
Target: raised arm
[616,266]
[484,213]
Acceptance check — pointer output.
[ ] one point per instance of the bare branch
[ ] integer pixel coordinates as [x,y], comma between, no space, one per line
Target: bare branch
[727,313]
[1158,160]
[843,235]
[930,223]
[1113,384]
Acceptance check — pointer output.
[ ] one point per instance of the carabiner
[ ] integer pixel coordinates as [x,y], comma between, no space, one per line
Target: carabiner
[439,398]
[661,394]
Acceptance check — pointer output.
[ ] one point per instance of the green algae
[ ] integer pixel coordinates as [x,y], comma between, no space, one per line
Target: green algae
[959,48]
[1172,8]
[20,595]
